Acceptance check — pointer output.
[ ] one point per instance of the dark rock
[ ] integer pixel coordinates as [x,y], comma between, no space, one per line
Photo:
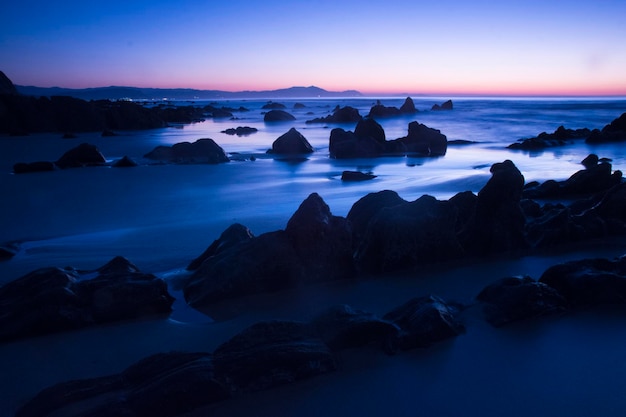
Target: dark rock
[497,223]
[291,143]
[447,105]
[366,208]
[341,327]
[125,162]
[278,116]
[84,154]
[40,166]
[51,299]
[274,106]
[560,137]
[345,144]
[322,241]
[379,110]
[265,263]
[268,354]
[6,86]
[465,203]
[408,107]
[202,151]
[345,114]
[408,235]
[589,282]
[422,140]
[596,177]
[613,132]
[356,176]
[512,299]
[221,114]
[424,321]
[8,251]
[240,131]
[233,235]
[162,385]
[370,128]
[299,106]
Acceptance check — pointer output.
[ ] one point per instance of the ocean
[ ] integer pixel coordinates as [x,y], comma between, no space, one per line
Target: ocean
[161,217]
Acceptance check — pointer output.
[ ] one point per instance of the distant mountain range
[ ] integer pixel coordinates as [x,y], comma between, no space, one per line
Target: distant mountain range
[135,93]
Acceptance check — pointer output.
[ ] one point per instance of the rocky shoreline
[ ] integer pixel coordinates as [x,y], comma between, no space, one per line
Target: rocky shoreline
[381,234]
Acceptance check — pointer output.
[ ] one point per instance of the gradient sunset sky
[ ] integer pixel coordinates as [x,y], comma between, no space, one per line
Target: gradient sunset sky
[524,47]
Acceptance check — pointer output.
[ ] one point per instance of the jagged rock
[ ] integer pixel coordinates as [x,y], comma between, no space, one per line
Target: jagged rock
[589,282]
[233,235]
[408,107]
[613,132]
[240,131]
[278,116]
[380,110]
[265,263]
[446,105]
[356,176]
[368,140]
[408,235]
[124,162]
[202,151]
[596,177]
[345,114]
[291,143]
[424,321]
[342,327]
[367,207]
[162,385]
[50,300]
[422,140]
[6,86]
[322,241]
[84,154]
[560,137]
[272,353]
[512,299]
[497,223]
[40,166]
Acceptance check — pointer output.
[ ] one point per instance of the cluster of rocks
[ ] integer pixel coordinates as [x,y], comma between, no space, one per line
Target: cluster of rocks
[368,140]
[346,114]
[52,299]
[277,352]
[240,131]
[202,151]
[380,110]
[613,132]
[446,105]
[264,355]
[82,155]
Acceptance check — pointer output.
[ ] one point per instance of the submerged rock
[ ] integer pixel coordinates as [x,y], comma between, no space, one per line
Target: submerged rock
[124,162]
[512,299]
[278,116]
[424,321]
[357,176]
[240,131]
[446,105]
[84,154]
[345,114]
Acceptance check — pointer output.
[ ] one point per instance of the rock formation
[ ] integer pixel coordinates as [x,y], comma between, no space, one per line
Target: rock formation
[202,151]
[291,143]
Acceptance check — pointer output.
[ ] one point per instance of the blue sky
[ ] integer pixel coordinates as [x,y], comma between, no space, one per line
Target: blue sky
[483,47]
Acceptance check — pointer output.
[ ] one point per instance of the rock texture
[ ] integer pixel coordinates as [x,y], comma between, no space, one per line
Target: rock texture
[291,143]
[202,151]
[50,300]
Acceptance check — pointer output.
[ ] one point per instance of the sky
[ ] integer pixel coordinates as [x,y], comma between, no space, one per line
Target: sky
[546,47]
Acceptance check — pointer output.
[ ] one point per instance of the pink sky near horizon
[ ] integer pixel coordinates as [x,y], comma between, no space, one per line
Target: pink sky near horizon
[414,47]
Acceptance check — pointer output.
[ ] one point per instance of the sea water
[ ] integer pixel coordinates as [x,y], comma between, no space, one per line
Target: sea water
[162,216]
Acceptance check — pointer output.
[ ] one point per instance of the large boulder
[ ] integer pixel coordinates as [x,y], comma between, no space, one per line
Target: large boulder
[291,143]
[408,235]
[202,151]
[50,300]
[322,241]
[84,154]
[366,208]
[278,116]
[234,234]
[162,385]
[424,321]
[497,223]
[367,141]
[511,299]
[408,107]
[589,282]
[265,263]
[380,110]
[422,140]
[272,353]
